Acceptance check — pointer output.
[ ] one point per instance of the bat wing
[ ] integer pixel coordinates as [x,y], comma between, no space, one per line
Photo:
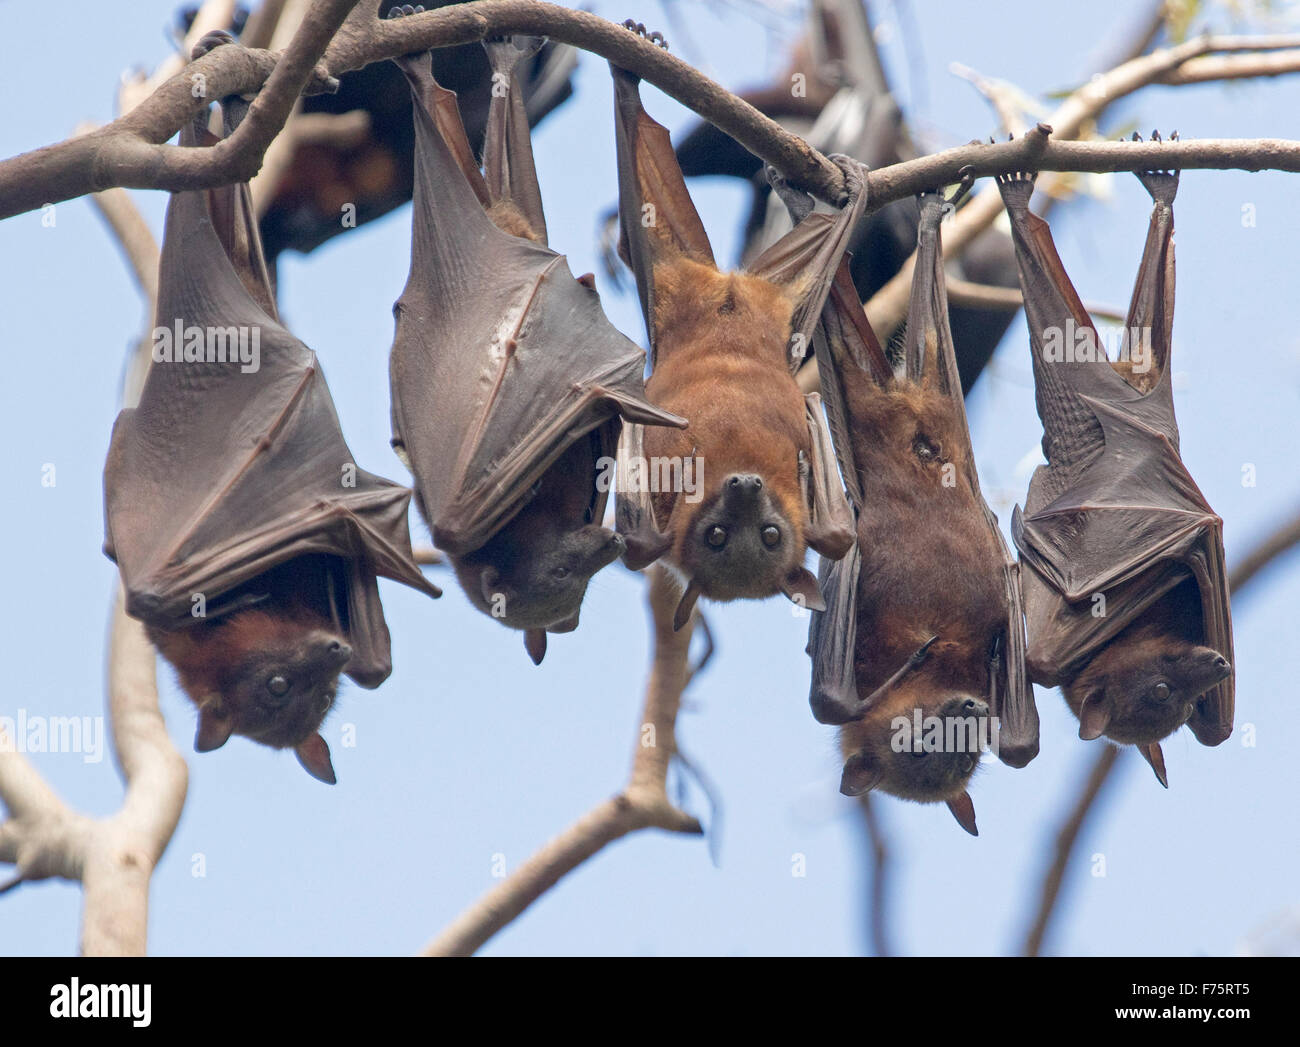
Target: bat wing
[1114,511]
[223,471]
[656,216]
[832,637]
[508,147]
[501,359]
[929,357]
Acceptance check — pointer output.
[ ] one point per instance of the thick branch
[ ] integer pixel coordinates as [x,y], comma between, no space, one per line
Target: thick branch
[129,152]
[643,804]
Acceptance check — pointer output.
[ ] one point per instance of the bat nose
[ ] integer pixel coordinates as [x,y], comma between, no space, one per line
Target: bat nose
[334,652]
[974,707]
[744,482]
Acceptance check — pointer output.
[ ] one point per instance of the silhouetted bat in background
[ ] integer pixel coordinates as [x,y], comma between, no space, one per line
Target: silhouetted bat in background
[508,380]
[374,173]
[924,615]
[723,348]
[248,540]
[835,94]
[1125,589]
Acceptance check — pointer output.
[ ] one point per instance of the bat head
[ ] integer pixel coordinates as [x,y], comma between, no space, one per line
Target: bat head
[1143,686]
[741,543]
[265,673]
[535,576]
[920,741]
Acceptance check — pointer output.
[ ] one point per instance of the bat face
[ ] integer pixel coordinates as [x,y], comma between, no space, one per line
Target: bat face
[534,573]
[722,340]
[260,673]
[920,745]
[1143,686]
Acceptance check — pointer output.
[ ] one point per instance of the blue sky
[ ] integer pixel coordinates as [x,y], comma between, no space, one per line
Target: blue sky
[469,752]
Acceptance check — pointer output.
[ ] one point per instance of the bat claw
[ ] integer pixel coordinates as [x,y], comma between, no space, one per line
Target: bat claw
[211,41]
[650,35]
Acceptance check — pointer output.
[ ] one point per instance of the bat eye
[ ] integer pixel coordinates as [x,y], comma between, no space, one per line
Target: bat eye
[716,536]
[1160,692]
[278,686]
[771,536]
[560,573]
[924,448]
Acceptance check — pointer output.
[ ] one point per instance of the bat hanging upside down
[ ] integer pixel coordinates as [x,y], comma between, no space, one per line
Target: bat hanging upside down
[1125,588]
[509,384]
[247,538]
[723,348]
[921,648]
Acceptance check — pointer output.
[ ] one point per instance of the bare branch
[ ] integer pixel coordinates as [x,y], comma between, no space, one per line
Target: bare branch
[643,804]
[880,873]
[129,152]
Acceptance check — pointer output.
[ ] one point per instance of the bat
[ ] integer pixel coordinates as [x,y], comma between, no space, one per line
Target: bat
[247,538]
[845,105]
[1126,591]
[919,654]
[723,350]
[365,171]
[509,384]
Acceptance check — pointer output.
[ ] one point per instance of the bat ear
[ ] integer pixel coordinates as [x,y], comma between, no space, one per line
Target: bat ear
[1152,754]
[214,730]
[314,755]
[644,547]
[964,811]
[489,581]
[861,774]
[535,644]
[1094,715]
[800,586]
[686,606]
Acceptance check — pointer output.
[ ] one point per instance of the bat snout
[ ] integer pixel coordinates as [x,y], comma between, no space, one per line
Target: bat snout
[331,651]
[741,488]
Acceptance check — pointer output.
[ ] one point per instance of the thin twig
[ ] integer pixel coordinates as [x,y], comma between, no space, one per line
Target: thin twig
[1067,836]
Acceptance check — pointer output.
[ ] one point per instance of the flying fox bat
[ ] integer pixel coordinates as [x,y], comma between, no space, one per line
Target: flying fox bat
[723,350]
[509,384]
[924,628]
[1126,592]
[248,540]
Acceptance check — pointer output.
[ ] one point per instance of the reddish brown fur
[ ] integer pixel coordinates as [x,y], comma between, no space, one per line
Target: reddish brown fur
[930,567]
[722,361]
[219,666]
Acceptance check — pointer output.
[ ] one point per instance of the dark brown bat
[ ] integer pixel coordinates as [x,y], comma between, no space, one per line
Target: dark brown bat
[924,624]
[724,347]
[248,539]
[1125,588]
[370,168]
[509,383]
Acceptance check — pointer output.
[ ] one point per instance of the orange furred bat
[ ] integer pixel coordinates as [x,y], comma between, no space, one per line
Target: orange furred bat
[758,480]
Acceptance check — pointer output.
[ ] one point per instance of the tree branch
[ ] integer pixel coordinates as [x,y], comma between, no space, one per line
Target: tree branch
[1067,836]
[129,152]
[643,804]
